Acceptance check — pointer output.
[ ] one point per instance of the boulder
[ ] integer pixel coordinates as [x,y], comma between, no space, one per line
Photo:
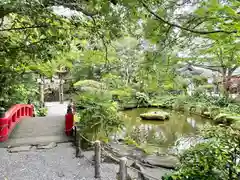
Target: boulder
[146,173]
[206,114]
[164,161]
[226,119]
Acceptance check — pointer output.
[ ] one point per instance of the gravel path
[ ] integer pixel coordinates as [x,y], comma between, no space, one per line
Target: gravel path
[58,163]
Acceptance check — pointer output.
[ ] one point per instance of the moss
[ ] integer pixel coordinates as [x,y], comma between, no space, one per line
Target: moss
[214,111]
[236,125]
[159,105]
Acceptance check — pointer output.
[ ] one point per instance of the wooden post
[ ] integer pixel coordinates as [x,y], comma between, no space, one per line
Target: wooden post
[75,135]
[123,168]
[97,159]
[79,149]
[78,142]
[61,90]
[41,91]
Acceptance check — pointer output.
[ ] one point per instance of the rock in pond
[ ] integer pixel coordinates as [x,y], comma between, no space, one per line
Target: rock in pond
[156,115]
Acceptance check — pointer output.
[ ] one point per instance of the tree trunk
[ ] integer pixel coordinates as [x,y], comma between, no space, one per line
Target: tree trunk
[226,82]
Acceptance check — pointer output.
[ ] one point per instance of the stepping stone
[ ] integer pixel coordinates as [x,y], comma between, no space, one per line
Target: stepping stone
[49,146]
[19,149]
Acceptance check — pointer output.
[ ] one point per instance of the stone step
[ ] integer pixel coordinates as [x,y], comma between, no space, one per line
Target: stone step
[29,141]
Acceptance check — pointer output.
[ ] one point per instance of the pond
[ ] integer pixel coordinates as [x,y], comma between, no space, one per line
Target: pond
[158,135]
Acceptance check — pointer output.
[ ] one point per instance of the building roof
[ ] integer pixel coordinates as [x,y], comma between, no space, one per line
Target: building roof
[236,72]
[191,70]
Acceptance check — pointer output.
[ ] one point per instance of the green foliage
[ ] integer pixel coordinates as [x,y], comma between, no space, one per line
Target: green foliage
[123,96]
[233,108]
[89,83]
[41,111]
[99,116]
[142,100]
[20,90]
[215,159]
[199,80]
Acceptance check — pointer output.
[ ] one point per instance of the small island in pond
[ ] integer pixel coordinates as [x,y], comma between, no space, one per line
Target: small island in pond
[155,115]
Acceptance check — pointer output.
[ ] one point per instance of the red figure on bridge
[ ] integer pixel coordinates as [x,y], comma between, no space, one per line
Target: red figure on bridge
[69,119]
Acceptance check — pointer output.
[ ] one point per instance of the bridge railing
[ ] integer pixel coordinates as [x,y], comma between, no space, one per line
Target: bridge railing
[9,119]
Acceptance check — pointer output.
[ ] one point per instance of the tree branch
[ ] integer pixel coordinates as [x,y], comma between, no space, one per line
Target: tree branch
[231,70]
[181,27]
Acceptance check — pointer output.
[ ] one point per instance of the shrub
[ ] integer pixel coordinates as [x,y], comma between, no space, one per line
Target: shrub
[142,99]
[41,111]
[215,159]
[233,108]
[98,114]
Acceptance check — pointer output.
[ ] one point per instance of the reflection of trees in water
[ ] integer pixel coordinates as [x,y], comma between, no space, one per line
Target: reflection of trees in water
[192,122]
[162,134]
[147,133]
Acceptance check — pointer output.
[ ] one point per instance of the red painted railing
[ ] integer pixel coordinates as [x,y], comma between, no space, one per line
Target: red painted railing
[12,117]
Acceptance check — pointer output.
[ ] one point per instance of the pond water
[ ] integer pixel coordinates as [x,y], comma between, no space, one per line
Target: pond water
[159,135]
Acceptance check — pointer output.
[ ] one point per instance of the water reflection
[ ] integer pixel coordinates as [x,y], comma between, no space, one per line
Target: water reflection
[159,133]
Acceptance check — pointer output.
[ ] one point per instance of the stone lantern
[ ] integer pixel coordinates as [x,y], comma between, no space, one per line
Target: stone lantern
[61,73]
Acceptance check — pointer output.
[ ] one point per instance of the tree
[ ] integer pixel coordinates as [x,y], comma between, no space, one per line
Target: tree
[222,56]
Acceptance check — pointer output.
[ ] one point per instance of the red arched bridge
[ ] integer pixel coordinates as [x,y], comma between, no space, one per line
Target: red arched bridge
[19,127]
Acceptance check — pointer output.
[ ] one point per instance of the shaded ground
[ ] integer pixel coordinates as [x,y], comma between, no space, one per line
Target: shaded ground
[58,163]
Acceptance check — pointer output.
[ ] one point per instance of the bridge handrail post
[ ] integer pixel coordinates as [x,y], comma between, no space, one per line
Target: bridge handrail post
[2,112]
[3,125]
